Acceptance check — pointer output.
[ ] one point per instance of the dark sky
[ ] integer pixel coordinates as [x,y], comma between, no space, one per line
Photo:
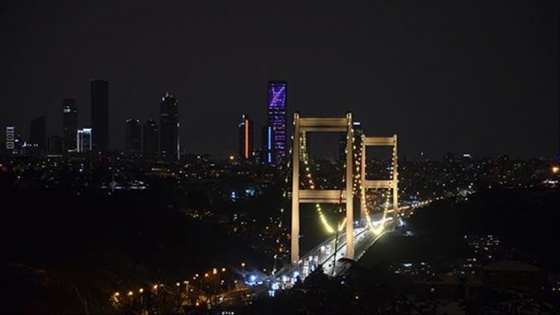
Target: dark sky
[463,76]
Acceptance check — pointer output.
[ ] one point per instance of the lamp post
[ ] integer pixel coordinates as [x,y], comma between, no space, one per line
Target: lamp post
[141,291]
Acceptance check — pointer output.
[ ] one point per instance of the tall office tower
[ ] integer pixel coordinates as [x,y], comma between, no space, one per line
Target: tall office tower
[10,138]
[245,138]
[133,137]
[277,93]
[69,124]
[84,140]
[56,144]
[151,139]
[38,133]
[169,128]
[100,115]
[267,149]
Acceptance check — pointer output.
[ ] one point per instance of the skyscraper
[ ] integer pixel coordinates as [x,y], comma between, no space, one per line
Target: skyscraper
[83,140]
[267,149]
[56,144]
[100,115]
[169,128]
[69,124]
[38,134]
[277,94]
[10,138]
[133,137]
[151,139]
[245,138]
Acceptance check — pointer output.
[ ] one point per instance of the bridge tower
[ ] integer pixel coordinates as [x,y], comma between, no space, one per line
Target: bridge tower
[321,196]
[380,184]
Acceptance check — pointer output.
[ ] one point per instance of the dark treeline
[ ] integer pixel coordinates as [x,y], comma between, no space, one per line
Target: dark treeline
[63,252]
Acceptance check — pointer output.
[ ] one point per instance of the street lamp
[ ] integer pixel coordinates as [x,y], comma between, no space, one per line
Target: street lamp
[141,291]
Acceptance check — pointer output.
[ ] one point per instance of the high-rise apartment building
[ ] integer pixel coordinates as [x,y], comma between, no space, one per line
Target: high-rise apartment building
[151,139]
[169,128]
[14,142]
[277,99]
[133,137]
[245,138]
[69,124]
[10,138]
[100,115]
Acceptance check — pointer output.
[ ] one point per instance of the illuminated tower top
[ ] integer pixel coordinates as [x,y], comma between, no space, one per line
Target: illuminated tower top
[245,138]
[277,96]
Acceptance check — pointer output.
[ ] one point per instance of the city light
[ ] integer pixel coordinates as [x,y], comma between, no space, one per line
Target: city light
[112,212]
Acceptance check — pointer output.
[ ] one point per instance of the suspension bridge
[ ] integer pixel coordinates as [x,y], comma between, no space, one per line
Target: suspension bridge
[350,237]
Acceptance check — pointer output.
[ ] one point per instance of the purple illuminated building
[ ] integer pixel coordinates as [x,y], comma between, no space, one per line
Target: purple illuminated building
[276,127]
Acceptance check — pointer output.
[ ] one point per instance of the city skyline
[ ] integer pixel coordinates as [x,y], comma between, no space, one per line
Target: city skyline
[464,77]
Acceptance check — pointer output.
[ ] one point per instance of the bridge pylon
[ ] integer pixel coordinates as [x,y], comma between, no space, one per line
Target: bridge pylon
[380,184]
[321,196]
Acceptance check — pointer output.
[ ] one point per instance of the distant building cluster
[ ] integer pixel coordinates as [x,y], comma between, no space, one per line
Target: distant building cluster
[74,138]
[273,134]
[152,139]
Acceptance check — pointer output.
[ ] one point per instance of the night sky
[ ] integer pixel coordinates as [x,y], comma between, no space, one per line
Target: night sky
[479,77]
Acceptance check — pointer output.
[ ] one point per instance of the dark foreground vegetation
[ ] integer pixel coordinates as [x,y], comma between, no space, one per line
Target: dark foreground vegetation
[64,253]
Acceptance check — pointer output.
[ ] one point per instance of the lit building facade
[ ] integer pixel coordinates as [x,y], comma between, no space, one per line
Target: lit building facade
[84,139]
[169,128]
[245,138]
[100,115]
[10,138]
[276,123]
[133,137]
[151,139]
[267,150]
[69,124]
